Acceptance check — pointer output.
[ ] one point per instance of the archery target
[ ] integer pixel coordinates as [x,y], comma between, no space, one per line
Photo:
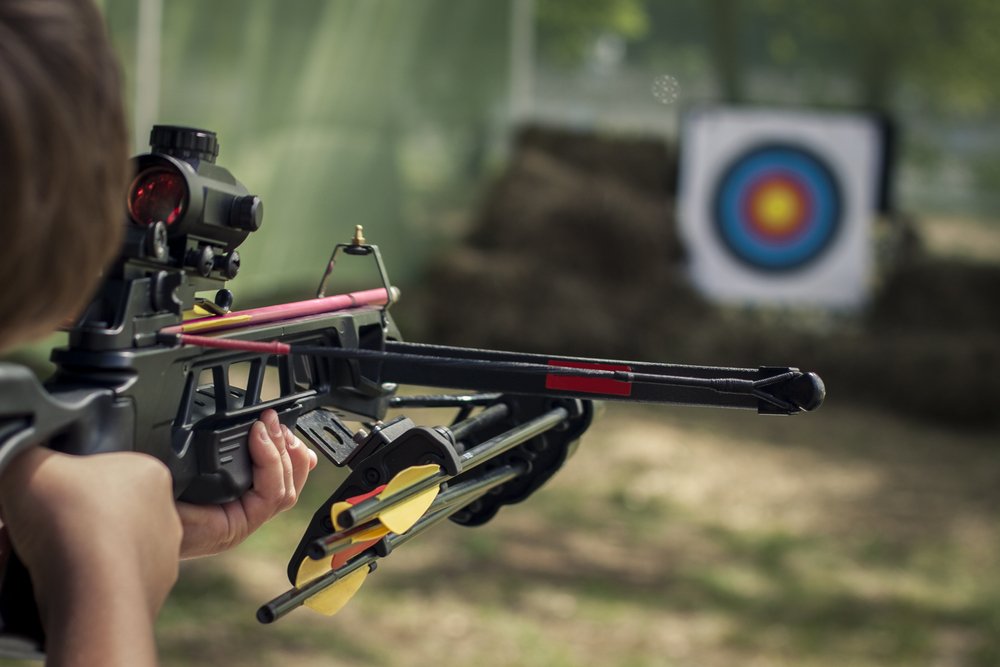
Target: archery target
[776,206]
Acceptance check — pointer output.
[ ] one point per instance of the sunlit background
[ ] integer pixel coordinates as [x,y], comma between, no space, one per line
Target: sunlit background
[517,162]
[396,115]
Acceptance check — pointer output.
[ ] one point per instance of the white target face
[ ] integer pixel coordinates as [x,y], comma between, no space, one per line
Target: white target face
[776,206]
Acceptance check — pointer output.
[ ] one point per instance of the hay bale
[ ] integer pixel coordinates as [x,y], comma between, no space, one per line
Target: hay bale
[646,164]
[936,294]
[579,223]
[574,248]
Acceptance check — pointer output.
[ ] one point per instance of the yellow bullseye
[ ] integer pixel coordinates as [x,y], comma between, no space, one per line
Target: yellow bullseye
[777,208]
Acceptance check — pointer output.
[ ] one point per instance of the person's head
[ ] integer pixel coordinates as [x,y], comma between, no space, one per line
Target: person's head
[63,160]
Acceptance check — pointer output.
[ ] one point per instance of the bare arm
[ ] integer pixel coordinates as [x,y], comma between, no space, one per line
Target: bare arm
[101,538]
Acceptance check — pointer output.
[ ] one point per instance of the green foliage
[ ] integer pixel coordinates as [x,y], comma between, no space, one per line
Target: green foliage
[945,48]
[567,28]
[386,113]
[942,52]
[939,54]
[323,108]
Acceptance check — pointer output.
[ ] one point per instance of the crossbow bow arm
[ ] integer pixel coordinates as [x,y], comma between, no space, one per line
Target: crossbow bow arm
[769,390]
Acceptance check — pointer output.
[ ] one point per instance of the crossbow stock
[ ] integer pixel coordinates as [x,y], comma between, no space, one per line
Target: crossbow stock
[154,367]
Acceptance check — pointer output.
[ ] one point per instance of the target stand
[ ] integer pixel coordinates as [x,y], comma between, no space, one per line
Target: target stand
[776,206]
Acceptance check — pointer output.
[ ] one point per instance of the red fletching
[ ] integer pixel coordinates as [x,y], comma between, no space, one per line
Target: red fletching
[340,559]
[588,385]
[156,195]
[354,500]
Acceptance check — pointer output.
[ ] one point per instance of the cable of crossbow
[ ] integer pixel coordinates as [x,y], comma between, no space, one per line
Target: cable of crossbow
[452,501]
[443,400]
[336,542]
[759,393]
[368,509]
[722,385]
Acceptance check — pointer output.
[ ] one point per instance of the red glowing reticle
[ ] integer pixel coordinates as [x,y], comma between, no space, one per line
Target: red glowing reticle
[156,195]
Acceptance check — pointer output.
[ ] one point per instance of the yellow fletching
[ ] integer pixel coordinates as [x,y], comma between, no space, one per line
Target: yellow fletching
[309,569]
[376,532]
[401,518]
[333,599]
[408,477]
[208,325]
[396,519]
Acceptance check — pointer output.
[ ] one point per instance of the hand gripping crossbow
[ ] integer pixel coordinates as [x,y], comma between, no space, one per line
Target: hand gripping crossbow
[154,367]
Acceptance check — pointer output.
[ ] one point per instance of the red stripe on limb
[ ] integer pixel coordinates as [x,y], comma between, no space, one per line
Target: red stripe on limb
[283,311]
[588,385]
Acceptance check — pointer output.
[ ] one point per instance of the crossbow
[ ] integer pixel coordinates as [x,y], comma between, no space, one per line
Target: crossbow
[155,366]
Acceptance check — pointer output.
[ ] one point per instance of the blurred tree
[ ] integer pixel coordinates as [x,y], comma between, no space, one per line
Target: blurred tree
[943,52]
[725,21]
[567,28]
[944,48]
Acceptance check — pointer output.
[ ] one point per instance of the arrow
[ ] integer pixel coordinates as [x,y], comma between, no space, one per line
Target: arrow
[398,517]
[404,499]
[376,506]
[286,311]
[331,600]
[328,590]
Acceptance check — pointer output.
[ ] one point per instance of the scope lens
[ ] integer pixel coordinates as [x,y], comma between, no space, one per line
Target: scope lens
[156,195]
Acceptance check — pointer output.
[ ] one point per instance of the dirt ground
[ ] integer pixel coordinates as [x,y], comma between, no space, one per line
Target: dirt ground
[682,537]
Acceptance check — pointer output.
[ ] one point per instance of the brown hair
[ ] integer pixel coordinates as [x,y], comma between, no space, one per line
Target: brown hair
[63,160]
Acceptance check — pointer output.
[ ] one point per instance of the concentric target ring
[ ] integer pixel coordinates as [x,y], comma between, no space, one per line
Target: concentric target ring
[777,207]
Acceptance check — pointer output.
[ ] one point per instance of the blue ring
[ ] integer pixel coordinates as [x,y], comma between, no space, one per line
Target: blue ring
[734,229]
